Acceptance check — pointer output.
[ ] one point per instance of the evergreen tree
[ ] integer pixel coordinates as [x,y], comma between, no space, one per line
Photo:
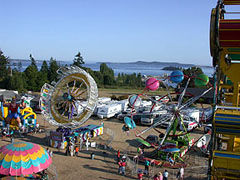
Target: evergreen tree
[33,62]
[108,74]
[43,75]
[191,72]
[31,73]
[4,62]
[139,80]
[17,82]
[19,66]
[78,60]
[42,78]
[4,75]
[52,72]
[44,67]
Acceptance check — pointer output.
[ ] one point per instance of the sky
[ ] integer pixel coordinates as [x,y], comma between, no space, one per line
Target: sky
[107,30]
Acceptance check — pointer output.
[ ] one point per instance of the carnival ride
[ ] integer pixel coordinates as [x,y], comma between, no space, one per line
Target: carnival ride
[224,161]
[71,100]
[173,142]
[27,117]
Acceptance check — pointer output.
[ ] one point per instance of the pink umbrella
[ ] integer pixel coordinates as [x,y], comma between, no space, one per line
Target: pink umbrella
[23,158]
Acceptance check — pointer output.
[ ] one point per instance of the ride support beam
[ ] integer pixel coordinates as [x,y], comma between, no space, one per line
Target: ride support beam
[230,70]
[231,2]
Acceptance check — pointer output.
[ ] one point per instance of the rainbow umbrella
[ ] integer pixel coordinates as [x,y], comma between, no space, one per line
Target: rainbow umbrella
[23,158]
[13,178]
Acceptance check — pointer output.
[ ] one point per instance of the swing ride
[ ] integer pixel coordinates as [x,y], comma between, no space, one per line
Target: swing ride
[172,142]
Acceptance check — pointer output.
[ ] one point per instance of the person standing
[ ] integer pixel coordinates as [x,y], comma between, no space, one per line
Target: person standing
[87,143]
[165,175]
[4,133]
[120,167]
[158,176]
[147,164]
[51,153]
[76,150]
[140,174]
[181,173]
[81,141]
[118,155]
[71,148]
[124,168]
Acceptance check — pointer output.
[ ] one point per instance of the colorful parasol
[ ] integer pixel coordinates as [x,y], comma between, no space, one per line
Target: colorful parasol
[23,158]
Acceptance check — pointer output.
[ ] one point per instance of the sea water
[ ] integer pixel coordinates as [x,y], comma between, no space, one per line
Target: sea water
[145,68]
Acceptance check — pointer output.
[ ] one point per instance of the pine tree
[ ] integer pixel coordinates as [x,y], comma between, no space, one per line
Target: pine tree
[31,73]
[17,82]
[43,75]
[4,62]
[33,62]
[108,74]
[19,66]
[44,67]
[4,75]
[52,72]
[78,60]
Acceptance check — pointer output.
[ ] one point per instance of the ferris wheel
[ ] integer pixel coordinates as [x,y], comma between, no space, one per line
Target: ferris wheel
[71,100]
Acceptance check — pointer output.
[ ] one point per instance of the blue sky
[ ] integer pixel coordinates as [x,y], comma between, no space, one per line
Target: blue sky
[107,30]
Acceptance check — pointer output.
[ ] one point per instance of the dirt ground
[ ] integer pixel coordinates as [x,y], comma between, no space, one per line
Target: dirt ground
[104,165]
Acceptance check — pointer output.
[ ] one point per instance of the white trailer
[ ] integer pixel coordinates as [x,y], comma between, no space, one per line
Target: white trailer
[124,104]
[103,100]
[190,118]
[109,110]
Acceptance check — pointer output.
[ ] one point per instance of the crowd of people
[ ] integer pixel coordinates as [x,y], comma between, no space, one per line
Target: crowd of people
[146,171]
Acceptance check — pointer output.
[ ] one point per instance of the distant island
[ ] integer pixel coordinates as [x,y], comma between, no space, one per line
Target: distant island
[156,63]
[171,68]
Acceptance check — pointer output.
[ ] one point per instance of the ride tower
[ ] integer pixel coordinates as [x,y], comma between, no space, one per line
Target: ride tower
[224,162]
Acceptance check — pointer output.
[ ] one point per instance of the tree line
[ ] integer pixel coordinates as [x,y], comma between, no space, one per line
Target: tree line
[32,79]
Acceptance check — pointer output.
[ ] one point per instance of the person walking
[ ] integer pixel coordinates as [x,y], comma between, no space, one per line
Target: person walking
[76,150]
[147,164]
[165,175]
[124,168]
[118,155]
[81,142]
[181,173]
[158,176]
[140,174]
[87,143]
[120,167]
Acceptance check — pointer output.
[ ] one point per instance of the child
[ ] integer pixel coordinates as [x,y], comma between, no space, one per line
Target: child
[118,155]
[140,174]
[165,175]
[147,164]
[4,134]
[76,150]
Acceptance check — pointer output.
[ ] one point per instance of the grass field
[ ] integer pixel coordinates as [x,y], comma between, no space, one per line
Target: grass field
[122,92]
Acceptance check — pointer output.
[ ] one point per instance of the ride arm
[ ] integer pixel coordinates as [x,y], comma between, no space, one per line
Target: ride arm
[192,100]
[161,121]
[168,130]
[182,94]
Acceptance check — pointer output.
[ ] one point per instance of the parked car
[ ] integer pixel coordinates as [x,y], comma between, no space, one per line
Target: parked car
[208,128]
[122,115]
[147,119]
